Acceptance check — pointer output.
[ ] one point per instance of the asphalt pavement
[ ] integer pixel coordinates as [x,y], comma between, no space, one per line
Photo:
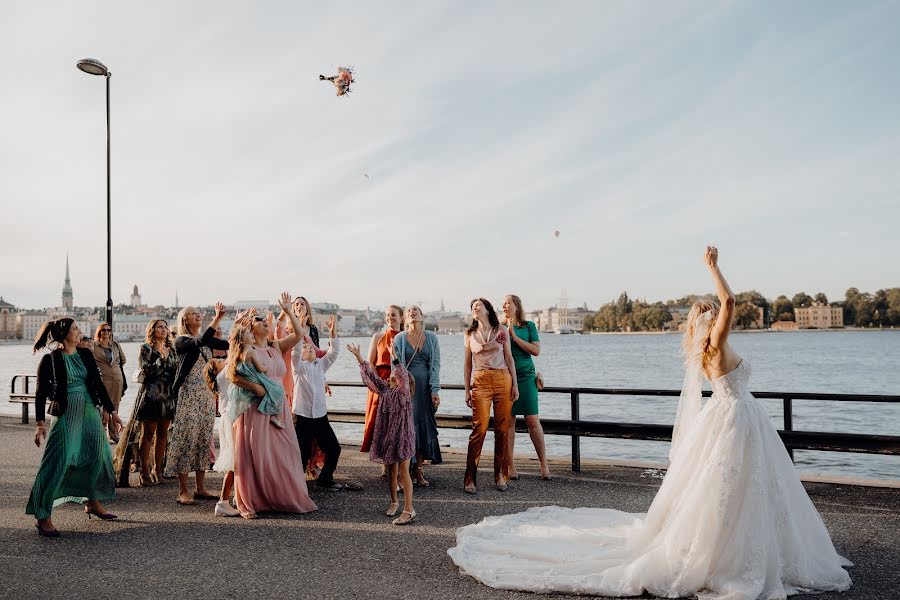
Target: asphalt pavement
[348,548]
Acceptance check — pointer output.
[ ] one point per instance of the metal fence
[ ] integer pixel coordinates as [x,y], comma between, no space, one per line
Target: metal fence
[577,428]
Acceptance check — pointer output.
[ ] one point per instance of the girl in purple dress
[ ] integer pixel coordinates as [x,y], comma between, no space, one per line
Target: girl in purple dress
[394,438]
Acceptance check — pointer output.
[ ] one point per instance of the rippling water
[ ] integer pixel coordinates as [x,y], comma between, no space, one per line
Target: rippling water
[816,361]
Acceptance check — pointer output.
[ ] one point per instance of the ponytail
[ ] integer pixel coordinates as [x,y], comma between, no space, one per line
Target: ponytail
[52,331]
[40,342]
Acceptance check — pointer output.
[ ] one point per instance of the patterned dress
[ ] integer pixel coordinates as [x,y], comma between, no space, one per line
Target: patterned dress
[383,370]
[193,427]
[77,464]
[393,431]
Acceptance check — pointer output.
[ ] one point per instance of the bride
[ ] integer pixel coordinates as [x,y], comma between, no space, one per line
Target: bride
[730,521]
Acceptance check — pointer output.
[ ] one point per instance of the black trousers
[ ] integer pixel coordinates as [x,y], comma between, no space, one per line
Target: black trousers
[319,430]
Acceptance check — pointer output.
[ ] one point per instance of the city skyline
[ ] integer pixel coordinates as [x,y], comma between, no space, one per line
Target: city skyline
[68,303]
[640,134]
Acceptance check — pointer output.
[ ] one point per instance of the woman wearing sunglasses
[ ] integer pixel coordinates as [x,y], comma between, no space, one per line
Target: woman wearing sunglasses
[111,361]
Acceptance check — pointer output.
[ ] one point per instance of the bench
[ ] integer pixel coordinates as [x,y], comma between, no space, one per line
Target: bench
[24,400]
[24,397]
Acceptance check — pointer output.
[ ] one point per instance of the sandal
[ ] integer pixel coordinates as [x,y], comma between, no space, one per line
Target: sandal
[420,477]
[186,502]
[249,516]
[403,519]
[470,489]
[392,509]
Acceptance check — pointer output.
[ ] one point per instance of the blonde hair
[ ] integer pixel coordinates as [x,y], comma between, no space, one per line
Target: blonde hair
[519,317]
[408,323]
[151,327]
[401,312]
[704,348]
[236,347]
[183,329]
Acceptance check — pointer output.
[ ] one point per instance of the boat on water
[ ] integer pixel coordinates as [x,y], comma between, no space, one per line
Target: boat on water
[563,330]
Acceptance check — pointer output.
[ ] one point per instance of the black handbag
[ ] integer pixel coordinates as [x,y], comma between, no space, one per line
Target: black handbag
[122,369]
[54,410]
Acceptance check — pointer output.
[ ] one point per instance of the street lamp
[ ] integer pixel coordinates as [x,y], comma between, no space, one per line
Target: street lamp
[95,67]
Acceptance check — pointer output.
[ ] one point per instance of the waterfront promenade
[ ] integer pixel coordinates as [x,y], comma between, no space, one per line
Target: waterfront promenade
[347,549]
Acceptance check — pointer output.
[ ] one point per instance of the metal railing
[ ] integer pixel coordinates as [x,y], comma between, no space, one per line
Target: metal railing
[577,428]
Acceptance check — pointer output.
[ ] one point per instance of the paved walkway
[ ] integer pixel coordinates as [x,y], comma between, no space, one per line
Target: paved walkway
[347,549]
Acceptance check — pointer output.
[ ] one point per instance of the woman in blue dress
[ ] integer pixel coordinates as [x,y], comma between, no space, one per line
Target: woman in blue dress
[419,352]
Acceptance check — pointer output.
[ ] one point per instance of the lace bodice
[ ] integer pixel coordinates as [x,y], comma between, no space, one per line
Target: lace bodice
[734,383]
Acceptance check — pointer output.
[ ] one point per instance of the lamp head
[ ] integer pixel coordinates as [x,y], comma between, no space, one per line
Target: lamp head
[93,67]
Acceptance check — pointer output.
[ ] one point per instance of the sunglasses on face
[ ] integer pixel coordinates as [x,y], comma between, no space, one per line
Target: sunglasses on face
[259,319]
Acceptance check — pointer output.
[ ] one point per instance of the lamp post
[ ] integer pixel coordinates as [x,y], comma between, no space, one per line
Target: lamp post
[95,67]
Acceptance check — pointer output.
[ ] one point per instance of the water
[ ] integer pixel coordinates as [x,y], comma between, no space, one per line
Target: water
[814,361]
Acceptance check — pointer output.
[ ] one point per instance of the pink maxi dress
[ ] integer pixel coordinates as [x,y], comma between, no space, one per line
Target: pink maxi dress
[268,473]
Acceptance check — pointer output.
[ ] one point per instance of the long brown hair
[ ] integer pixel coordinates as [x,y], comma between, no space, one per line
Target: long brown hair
[706,351]
[399,310]
[151,326]
[491,313]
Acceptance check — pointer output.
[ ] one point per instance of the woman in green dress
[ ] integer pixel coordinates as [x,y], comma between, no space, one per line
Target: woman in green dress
[77,464]
[525,343]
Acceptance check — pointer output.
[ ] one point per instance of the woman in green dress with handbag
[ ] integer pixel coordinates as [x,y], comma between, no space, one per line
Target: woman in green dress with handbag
[523,337]
[77,464]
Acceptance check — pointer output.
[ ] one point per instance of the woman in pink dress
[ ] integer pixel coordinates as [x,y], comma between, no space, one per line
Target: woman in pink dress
[268,474]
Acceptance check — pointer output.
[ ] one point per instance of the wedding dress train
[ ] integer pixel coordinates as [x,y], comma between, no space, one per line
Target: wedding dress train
[730,521]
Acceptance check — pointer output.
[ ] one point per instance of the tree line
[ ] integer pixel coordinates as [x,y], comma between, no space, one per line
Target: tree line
[861,309]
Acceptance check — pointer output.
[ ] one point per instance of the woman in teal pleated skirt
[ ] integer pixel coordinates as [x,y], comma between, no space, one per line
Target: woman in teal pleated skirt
[77,463]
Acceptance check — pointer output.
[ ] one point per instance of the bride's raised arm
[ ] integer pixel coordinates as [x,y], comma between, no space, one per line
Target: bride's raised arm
[722,326]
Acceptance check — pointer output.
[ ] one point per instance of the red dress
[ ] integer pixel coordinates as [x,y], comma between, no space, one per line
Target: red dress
[383,369]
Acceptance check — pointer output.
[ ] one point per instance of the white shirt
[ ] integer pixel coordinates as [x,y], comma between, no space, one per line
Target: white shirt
[309,381]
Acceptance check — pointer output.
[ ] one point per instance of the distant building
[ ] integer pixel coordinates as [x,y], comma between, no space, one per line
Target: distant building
[679,317]
[554,318]
[28,323]
[68,300]
[135,298]
[819,316]
[261,305]
[7,320]
[452,323]
[131,327]
[784,326]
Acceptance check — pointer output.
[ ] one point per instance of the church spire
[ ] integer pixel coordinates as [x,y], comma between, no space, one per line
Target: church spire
[67,298]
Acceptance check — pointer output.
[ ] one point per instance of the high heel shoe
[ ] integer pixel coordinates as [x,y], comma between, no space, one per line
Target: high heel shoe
[50,533]
[103,516]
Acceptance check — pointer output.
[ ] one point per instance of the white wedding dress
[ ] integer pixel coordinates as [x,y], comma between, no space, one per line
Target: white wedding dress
[730,521]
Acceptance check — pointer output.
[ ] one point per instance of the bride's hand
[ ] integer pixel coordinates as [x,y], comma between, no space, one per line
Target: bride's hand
[711,257]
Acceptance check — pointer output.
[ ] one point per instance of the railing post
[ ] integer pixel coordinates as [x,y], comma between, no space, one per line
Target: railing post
[576,439]
[789,420]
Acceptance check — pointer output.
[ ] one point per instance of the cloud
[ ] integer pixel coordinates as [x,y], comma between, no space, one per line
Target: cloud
[642,133]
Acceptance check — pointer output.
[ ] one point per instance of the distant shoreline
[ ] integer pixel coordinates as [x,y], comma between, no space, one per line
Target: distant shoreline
[834,330]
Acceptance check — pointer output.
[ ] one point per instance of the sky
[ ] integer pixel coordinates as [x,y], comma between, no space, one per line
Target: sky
[640,131]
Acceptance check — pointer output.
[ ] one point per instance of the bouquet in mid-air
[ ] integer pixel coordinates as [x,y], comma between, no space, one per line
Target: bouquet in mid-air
[341,81]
